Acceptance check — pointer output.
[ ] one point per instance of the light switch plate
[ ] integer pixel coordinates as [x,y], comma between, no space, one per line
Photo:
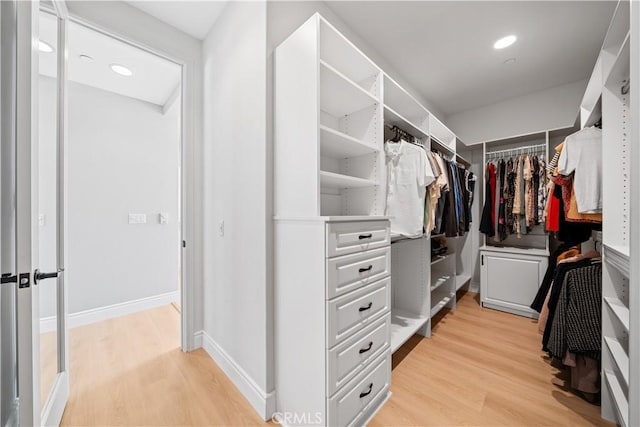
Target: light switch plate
[163,218]
[137,218]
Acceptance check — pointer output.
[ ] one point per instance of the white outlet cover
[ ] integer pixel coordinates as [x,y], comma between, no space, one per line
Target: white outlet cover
[163,218]
[136,218]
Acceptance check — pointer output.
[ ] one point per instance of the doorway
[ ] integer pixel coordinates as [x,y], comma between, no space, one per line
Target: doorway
[124,210]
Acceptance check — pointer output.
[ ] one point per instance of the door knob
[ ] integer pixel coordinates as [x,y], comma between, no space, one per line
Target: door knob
[38,275]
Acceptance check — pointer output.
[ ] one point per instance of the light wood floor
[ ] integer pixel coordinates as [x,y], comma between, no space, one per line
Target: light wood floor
[481,368]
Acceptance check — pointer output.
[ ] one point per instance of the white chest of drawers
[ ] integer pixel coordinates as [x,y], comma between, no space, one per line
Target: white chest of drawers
[332,319]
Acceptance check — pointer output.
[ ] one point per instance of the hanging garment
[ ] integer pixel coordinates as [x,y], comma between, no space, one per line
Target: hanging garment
[519,200]
[496,204]
[486,223]
[502,228]
[443,182]
[510,190]
[529,203]
[464,199]
[548,276]
[470,183]
[569,202]
[570,232]
[451,221]
[536,187]
[542,188]
[433,194]
[582,154]
[408,174]
[577,321]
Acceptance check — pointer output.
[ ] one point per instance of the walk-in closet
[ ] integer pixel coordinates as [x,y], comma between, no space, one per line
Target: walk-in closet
[387,221]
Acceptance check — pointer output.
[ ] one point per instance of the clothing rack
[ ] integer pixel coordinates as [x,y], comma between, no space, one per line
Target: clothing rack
[530,149]
[404,134]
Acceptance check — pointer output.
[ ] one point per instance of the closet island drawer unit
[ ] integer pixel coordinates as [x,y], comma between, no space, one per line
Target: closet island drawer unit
[332,317]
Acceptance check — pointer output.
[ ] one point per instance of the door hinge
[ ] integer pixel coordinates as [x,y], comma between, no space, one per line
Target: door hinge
[184,243]
[24,280]
[8,278]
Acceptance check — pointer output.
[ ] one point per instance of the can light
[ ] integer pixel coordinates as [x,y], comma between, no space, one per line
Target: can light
[44,47]
[121,69]
[505,42]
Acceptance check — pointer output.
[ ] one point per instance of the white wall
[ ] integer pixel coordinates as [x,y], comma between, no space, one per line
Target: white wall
[131,23]
[548,109]
[123,157]
[237,326]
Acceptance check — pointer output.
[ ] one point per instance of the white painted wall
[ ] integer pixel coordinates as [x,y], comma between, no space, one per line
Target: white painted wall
[124,20]
[237,276]
[548,109]
[124,157]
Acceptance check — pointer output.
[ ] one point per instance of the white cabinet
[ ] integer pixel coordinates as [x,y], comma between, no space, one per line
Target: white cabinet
[509,281]
[332,318]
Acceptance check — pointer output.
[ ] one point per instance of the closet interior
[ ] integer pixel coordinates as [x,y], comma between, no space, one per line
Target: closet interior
[355,279]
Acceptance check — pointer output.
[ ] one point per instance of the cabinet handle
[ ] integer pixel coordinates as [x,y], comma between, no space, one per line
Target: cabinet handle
[366,308]
[364,350]
[362,270]
[482,260]
[365,236]
[368,392]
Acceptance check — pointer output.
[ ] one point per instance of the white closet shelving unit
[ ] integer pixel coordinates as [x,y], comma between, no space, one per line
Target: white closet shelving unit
[608,97]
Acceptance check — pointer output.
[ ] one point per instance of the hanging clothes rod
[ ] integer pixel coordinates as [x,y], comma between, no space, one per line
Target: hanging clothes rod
[404,134]
[520,150]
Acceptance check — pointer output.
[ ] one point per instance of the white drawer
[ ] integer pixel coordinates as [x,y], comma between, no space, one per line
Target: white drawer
[348,359]
[351,312]
[350,272]
[348,237]
[345,407]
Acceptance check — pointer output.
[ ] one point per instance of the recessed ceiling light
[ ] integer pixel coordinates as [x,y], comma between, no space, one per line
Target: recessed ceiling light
[85,57]
[44,47]
[510,61]
[505,42]
[121,69]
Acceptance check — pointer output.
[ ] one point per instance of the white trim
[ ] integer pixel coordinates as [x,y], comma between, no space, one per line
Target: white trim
[264,403]
[57,401]
[197,340]
[98,314]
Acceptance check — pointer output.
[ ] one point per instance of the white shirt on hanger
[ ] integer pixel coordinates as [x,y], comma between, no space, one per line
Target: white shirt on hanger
[408,174]
[582,153]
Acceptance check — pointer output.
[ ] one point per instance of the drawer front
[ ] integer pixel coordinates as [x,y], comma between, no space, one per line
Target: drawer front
[348,359]
[351,312]
[345,238]
[348,404]
[350,272]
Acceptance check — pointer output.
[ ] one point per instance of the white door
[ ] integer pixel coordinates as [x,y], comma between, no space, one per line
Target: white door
[36,216]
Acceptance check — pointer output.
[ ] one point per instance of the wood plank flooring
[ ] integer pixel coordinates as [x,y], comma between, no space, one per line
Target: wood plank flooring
[481,368]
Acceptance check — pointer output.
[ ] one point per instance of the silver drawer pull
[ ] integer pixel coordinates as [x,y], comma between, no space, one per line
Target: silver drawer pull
[368,392]
[364,350]
[366,308]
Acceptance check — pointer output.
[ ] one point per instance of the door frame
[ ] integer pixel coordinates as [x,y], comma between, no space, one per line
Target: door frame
[187,298]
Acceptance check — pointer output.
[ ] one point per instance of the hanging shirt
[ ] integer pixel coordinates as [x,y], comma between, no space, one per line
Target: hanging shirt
[408,174]
[582,154]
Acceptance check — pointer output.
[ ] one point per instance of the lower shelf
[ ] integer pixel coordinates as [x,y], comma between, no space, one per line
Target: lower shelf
[462,280]
[619,399]
[403,325]
[441,304]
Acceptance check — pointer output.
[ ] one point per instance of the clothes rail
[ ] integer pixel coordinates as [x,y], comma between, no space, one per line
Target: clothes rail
[530,149]
[403,134]
[441,147]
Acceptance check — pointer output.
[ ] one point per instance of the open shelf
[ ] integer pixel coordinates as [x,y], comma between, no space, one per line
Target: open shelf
[441,304]
[403,326]
[442,134]
[405,106]
[461,280]
[336,50]
[336,144]
[620,67]
[620,357]
[336,180]
[619,398]
[618,257]
[440,281]
[392,117]
[620,310]
[340,96]
[439,259]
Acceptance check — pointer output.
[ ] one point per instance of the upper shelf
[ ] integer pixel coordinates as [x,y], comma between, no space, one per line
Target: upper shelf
[392,117]
[405,106]
[339,95]
[336,50]
[339,181]
[442,133]
[339,145]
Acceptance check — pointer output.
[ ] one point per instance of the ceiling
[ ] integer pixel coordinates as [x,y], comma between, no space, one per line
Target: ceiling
[444,49]
[192,17]
[154,79]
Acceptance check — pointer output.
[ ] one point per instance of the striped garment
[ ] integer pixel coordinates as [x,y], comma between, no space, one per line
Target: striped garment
[577,320]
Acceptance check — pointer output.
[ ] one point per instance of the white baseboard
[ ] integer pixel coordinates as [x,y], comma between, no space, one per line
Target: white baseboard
[197,340]
[48,324]
[474,287]
[264,403]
